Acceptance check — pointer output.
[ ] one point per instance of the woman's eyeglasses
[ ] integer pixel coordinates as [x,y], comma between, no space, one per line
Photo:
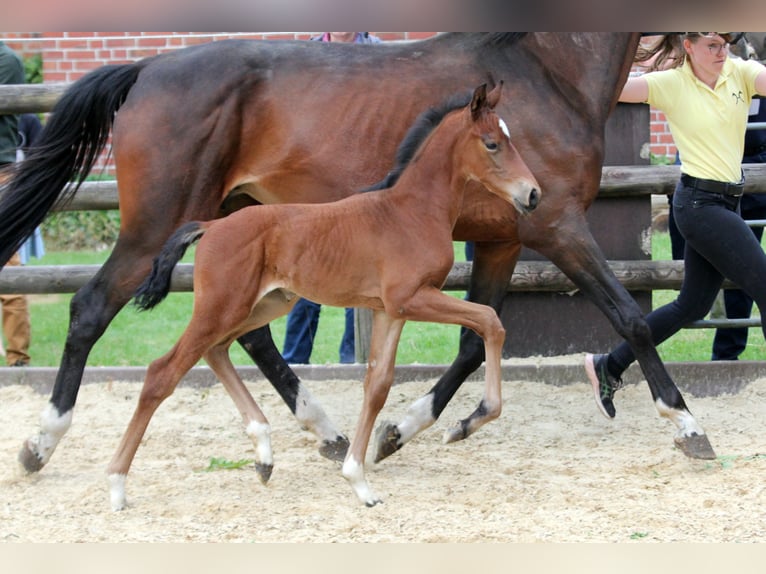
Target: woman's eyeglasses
[717,49]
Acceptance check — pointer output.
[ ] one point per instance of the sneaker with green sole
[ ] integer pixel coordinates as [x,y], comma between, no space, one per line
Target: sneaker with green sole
[604,384]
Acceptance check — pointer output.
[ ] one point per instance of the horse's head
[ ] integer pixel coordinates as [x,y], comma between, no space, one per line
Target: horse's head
[750,46]
[491,158]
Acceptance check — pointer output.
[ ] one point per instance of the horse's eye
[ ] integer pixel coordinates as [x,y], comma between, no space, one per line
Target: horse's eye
[491,145]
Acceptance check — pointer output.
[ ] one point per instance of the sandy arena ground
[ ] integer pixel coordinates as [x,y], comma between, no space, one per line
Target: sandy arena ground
[550,469]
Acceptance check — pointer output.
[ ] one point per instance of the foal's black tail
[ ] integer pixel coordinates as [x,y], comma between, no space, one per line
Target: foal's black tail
[157,286]
[70,144]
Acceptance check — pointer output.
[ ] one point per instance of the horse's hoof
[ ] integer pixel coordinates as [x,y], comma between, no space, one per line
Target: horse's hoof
[696,446]
[456,433]
[28,459]
[335,450]
[387,439]
[373,502]
[264,471]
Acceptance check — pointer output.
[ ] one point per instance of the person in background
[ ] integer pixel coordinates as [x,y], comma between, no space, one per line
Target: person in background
[728,344]
[15,309]
[303,319]
[706,97]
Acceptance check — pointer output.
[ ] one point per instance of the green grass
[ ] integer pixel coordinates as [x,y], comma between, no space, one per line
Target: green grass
[135,339]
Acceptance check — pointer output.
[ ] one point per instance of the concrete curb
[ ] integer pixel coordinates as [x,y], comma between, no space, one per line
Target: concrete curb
[699,379]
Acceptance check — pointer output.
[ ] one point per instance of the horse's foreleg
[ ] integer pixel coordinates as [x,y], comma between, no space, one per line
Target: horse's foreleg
[257,426]
[491,272]
[307,410]
[581,260]
[378,380]
[91,310]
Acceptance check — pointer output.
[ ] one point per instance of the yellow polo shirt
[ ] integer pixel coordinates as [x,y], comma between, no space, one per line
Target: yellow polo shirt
[708,126]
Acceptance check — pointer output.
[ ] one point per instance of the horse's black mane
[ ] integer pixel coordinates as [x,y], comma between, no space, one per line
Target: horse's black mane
[503,38]
[423,125]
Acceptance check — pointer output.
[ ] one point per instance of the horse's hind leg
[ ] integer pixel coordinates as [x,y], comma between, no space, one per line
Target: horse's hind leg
[309,412]
[257,426]
[91,310]
[491,271]
[580,259]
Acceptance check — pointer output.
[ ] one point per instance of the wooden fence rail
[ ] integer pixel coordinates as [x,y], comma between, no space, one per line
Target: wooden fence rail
[616,181]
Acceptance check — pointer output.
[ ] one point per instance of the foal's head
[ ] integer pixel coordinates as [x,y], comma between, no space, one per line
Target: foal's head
[489,157]
[487,154]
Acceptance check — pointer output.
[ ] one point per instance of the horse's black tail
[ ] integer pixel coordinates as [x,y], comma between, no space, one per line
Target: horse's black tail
[69,145]
[157,286]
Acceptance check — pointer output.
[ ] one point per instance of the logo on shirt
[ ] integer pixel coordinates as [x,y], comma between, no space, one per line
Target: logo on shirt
[738,97]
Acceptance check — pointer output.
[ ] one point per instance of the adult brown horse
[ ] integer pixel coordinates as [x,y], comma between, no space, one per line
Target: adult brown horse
[204,130]
[388,251]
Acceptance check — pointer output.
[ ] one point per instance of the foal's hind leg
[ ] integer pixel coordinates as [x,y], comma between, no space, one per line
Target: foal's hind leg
[491,271]
[162,377]
[260,346]
[309,412]
[256,425]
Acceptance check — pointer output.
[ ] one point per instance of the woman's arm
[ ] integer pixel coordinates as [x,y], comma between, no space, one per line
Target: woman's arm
[760,82]
[636,90]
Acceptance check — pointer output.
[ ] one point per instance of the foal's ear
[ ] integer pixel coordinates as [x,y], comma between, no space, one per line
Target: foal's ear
[479,101]
[494,96]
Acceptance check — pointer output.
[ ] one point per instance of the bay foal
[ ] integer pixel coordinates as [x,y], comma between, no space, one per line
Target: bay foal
[389,250]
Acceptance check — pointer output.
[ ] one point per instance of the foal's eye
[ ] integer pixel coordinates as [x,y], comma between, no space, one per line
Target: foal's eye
[491,145]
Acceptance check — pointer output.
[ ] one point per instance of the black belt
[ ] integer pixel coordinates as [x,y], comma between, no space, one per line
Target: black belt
[713,186]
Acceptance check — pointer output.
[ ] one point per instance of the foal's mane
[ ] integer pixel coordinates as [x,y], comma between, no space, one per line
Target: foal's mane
[421,128]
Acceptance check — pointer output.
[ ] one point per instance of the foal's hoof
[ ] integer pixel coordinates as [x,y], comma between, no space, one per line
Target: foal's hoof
[696,446]
[264,471]
[335,450]
[387,439]
[28,459]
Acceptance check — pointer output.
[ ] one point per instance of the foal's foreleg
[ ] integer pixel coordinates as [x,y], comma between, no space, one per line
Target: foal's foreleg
[491,271]
[377,383]
[256,425]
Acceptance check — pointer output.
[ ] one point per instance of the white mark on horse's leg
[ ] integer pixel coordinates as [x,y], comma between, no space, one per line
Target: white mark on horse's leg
[418,418]
[53,427]
[353,471]
[117,491]
[683,419]
[312,417]
[260,434]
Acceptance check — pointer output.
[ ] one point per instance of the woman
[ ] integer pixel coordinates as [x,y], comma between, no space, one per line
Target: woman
[705,96]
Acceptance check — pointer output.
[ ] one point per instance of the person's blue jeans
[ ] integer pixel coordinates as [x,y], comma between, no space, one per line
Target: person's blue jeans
[718,243]
[302,324]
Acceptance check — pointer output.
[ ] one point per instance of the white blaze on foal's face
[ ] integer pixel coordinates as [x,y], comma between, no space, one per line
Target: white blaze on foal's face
[504,127]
